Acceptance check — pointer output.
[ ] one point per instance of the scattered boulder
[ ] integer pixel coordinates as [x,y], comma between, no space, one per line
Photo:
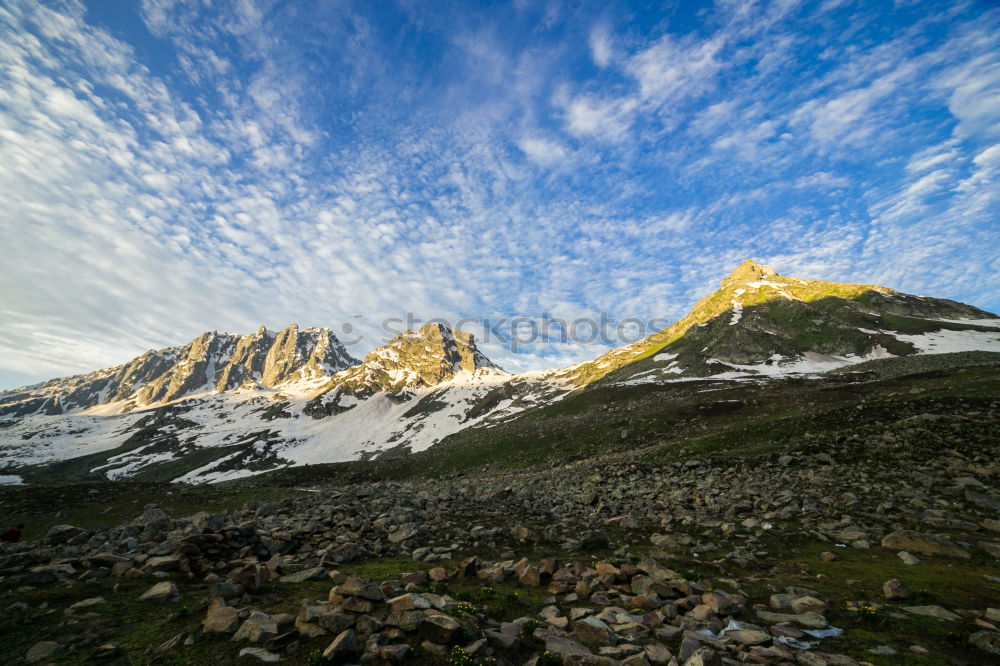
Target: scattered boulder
[258,628]
[704,657]
[926,544]
[344,646]
[355,587]
[221,619]
[591,631]
[894,590]
[42,650]
[59,534]
[312,573]
[565,647]
[260,654]
[987,641]
[809,620]
[933,611]
[162,593]
[441,629]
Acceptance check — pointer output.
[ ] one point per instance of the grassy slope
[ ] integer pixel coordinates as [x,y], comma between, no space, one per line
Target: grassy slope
[680,420]
[712,306]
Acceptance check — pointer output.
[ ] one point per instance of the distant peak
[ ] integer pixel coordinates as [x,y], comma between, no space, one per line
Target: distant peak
[433,327]
[749,271]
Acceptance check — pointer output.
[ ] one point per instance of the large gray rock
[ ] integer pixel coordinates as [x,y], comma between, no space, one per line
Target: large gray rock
[42,650]
[408,602]
[983,500]
[565,647]
[987,641]
[807,604]
[62,533]
[394,654]
[221,619]
[261,654]
[925,544]
[894,590]
[933,611]
[162,593]
[808,620]
[258,628]
[704,657]
[345,645]
[336,621]
[748,637]
[440,629]
[404,532]
[313,573]
[356,587]
[162,563]
[593,632]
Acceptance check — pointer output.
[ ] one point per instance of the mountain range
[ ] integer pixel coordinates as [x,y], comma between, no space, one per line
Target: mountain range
[225,406]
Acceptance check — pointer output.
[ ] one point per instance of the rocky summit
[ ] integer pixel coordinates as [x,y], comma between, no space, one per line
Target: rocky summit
[797,473]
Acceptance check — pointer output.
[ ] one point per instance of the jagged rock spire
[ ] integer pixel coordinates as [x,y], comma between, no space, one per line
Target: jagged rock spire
[211,362]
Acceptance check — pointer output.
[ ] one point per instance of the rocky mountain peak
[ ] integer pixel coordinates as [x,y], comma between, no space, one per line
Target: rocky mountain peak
[435,353]
[758,317]
[432,355]
[748,271]
[454,346]
[212,362]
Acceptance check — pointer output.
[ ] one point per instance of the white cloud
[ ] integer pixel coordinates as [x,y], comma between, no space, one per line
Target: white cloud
[603,119]
[974,93]
[822,179]
[601,49]
[676,68]
[543,151]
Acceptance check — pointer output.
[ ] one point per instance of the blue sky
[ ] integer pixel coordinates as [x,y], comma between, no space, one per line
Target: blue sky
[175,167]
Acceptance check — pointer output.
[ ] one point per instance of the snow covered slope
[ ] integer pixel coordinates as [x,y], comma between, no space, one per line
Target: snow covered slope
[404,396]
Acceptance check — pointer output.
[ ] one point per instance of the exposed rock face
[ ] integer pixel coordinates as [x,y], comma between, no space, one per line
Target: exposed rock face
[211,362]
[428,357]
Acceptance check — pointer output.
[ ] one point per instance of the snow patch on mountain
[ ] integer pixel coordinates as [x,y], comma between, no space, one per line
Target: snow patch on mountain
[811,363]
[41,438]
[945,341]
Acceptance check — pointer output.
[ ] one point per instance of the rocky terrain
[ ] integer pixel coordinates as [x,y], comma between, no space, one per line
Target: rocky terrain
[423,506]
[879,535]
